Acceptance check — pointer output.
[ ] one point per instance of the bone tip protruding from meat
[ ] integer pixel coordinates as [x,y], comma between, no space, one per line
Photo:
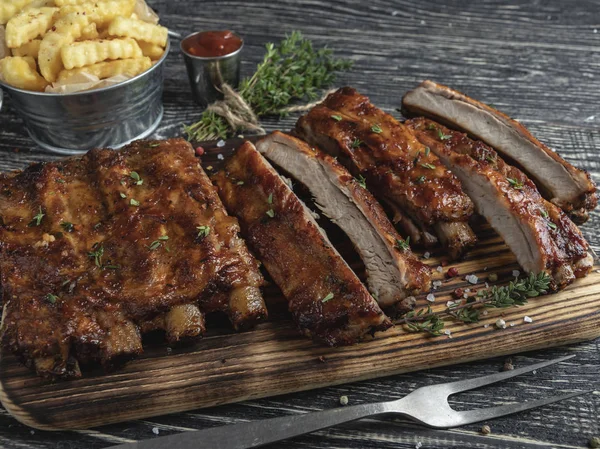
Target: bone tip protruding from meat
[246,307]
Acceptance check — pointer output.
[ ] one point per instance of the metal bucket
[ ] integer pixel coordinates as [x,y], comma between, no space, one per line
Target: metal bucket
[109,117]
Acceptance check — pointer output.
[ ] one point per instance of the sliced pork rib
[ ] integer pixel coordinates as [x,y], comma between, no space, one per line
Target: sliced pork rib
[327,300]
[399,170]
[540,234]
[393,272]
[97,250]
[560,182]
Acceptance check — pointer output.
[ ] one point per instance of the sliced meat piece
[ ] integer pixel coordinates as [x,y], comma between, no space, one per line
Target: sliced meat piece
[393,272]
[93,249]
[326,299]
[568,187]
[540,234]
[397,166]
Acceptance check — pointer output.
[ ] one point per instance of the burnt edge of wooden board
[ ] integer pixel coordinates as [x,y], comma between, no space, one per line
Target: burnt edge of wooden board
[274,359]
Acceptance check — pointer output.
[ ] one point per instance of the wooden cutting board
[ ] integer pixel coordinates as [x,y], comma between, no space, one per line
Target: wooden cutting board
[274,359]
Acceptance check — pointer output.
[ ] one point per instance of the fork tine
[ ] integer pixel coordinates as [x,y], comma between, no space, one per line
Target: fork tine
[469,384]
[482,414]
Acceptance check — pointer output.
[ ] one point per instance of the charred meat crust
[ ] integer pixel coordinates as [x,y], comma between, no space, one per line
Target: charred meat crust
[560,182]
[401,170]
[93,249]
[328,302]
[539,233]
[393,273]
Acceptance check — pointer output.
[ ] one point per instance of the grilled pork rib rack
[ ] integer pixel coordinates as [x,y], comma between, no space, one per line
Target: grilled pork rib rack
[399,170]
[327,301]
[393,271]
[560,182]
[540,234]
[97,250]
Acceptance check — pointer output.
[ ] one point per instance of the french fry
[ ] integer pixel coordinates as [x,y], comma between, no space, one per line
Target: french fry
[107,69]
[64,32]
[79,54]
[9,8]
[153,51]
[101,12]
[138,30]
[31,48]
[89,33]
[21,73]
[29,24]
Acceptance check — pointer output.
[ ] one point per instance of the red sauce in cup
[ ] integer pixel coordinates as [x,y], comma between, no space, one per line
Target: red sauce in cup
[212,44]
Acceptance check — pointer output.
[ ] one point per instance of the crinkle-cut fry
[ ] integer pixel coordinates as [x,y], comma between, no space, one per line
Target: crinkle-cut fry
[89,33]
[29,24]
[101,12]
[64,32]
[79,54]
[31,48]
[20,72]
[153,51]
[139,30]
[107,69]
[10,8]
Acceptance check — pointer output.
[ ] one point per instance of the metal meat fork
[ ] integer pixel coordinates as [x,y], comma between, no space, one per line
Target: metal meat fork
[426,405]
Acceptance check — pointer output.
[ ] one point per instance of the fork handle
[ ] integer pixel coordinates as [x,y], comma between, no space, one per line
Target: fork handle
[257,433]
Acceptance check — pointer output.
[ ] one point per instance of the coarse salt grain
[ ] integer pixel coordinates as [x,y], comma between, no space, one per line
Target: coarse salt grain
[450,304]
[527,319]
[419,445]
[436,284]
[512,324]
[221,143]
[448,332]
[516,273]
[220,157]
[155,430]
[439,269]
[471,279]
[486,325]
[430,297]
[426,255]
[500,323]
[485,312]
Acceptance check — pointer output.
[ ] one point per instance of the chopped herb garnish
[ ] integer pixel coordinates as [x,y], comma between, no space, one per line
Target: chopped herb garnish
[270,199]
[416,159]
[551,225]
[428,165]
[490,159]
[427,151]
[362,181]
[60,180]
[271,213]
[337,118]
[97,225]
[545,215]
[431,126]
[443,136]
[155,244]
[97,253]
[136,177]
[37,219]
[122,195]
[154,145]
[403,245]
[356,143]
[67,226]
[514,183]
[240,183]
[376,129]
[163,237]
[327,297]
[203,231]
[51,298]
[134,202]
[420,180]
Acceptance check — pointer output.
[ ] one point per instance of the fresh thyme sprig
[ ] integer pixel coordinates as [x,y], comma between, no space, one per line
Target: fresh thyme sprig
[292,70]
[516,293]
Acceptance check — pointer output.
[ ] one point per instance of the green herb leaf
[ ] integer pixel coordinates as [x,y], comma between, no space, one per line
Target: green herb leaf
[420,180]
[327,297]
[155,244]
[97,253]
[133,202]
[122,195]
[356,143]
[443,136]
[163,237]
[37,219]
[270,213]
[403,245]
[203,231]
[361,181]
[270,199]
[51,298]
[136,177]
[424,320]
[376,129]
[67,226]
[514,183]
[337,118]
[428,165]
[240,183]
[60,181]
[154,145]
[427,151]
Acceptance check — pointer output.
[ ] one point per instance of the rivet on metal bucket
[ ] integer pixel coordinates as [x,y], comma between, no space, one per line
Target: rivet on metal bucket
[207,74]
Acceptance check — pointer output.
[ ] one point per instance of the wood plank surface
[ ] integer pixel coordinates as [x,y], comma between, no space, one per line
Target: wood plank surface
[273,359]
[536,60]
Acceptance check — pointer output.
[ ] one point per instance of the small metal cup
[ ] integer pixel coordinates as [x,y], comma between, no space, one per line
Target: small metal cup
[208,74]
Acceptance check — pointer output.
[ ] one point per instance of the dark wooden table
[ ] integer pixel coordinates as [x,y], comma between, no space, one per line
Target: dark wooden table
[537,60]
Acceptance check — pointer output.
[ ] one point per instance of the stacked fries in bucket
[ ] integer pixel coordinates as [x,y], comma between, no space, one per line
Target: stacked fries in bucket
[66,46]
